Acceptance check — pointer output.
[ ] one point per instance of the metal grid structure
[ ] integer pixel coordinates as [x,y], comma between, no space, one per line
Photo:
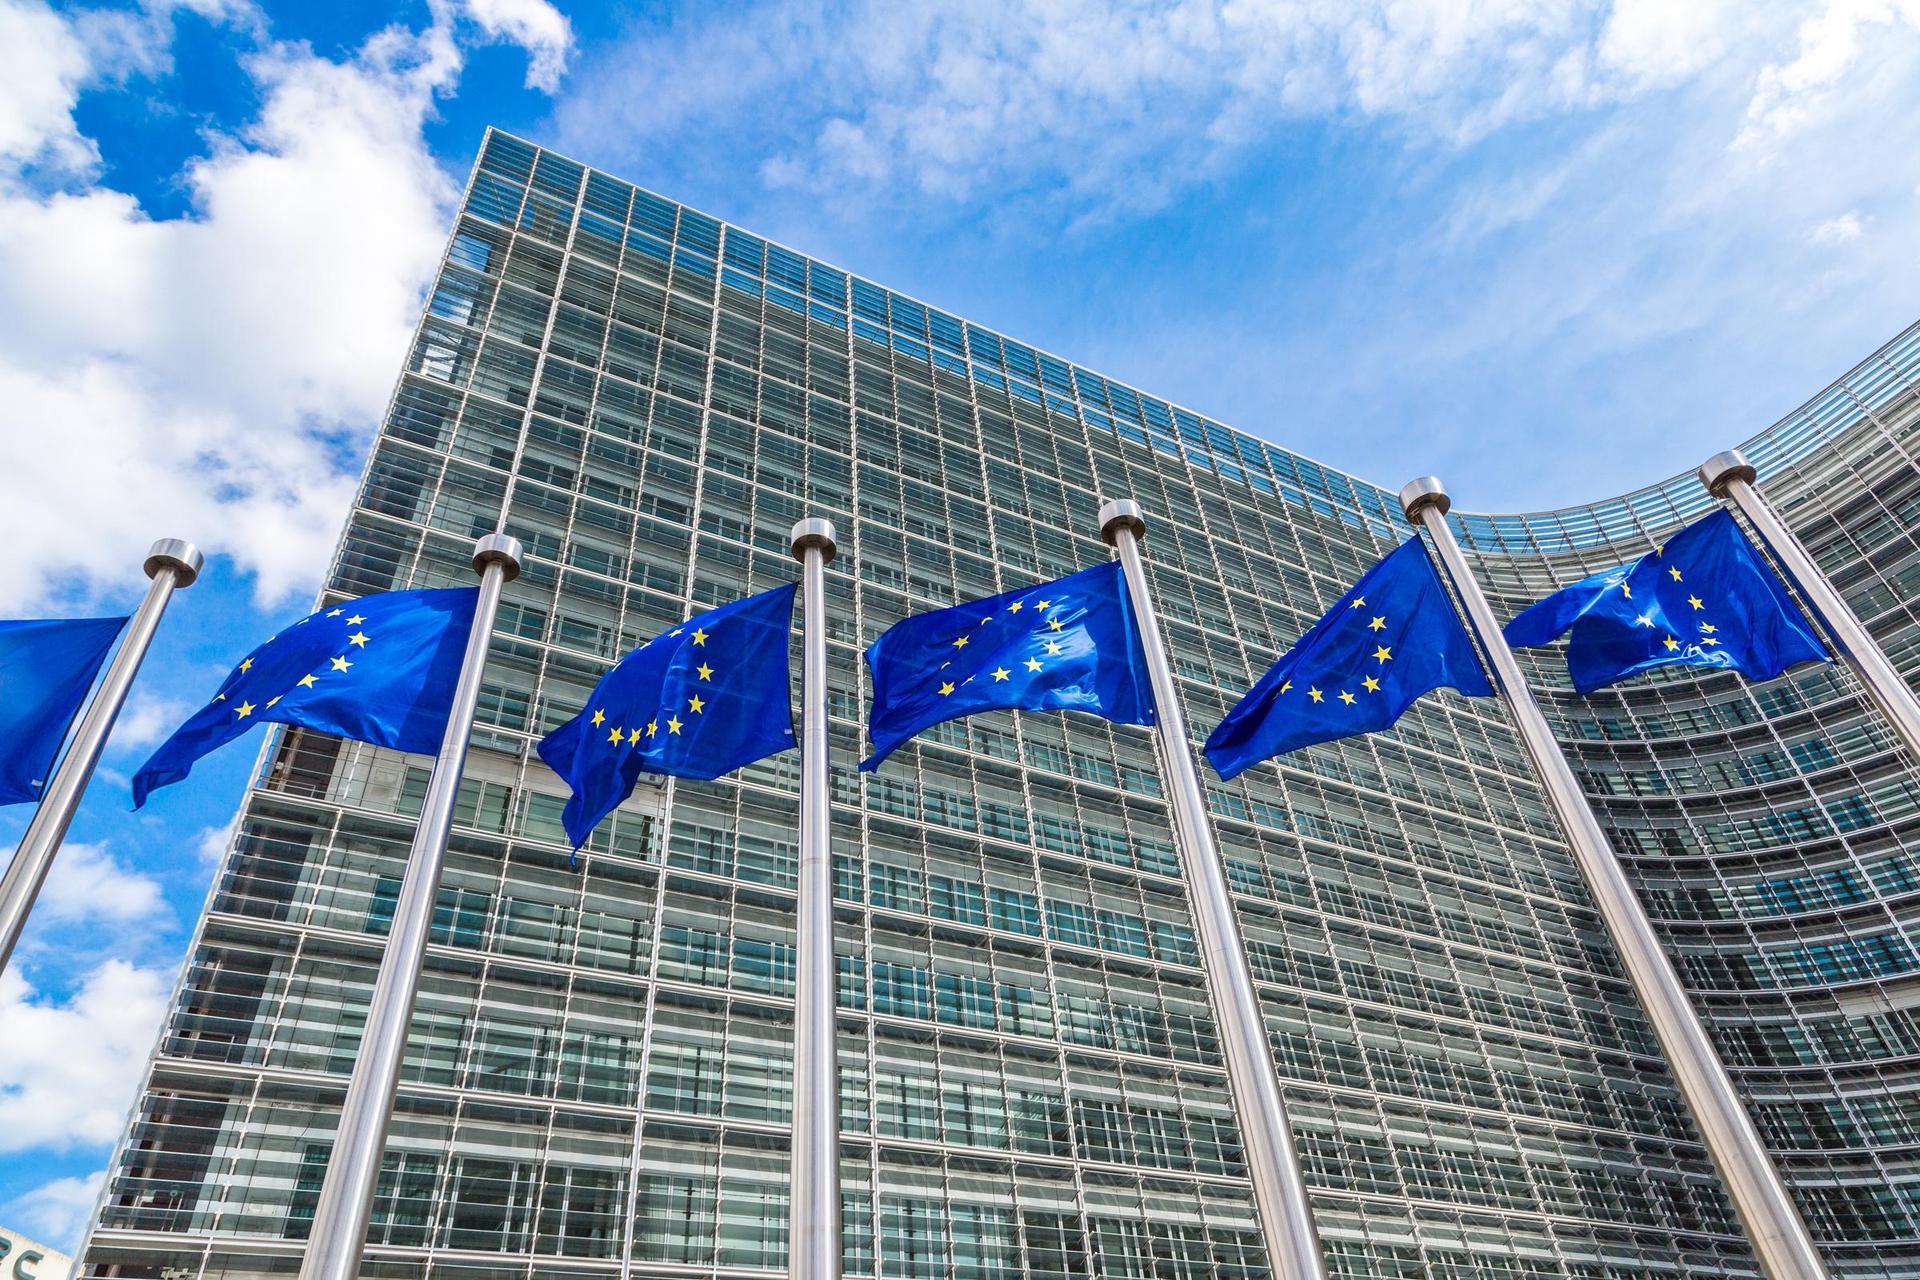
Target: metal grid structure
[599,1076]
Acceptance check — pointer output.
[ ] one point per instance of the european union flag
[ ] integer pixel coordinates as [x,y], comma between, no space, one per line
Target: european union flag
[1391,638]
[46,667]
[379,669]
[704,699]
[1704,599]
[1067,645]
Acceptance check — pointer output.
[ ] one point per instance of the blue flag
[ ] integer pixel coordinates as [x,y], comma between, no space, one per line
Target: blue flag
[704,699]
[1391,638]
[46,667]
[1067,645]
[379,669]
[1704,599]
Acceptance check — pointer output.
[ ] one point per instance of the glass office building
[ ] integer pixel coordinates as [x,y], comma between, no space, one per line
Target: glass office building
[599,1074]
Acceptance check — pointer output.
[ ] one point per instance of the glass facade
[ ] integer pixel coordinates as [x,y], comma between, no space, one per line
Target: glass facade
[599,1073]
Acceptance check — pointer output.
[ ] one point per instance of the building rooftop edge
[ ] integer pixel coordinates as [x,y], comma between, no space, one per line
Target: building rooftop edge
[1759,441]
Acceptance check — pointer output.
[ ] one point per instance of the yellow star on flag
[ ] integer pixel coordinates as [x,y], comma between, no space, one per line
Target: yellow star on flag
[341,663]
[1671,643]
[1000,673]
[358,638]
[1315,695]
[696,704]
[673,724]
[599,718]
[1016,606]
[1053,648]
[1346,697]
[1383,654]
[961,643]
[1675,571]
[1033,664]
[243,710]
[307,681]
[1376,624]
[699,636]
[616,736]
[1696,602]
[247,665]
[704,671]
[1055,623]
[946,687]
[1371,685]
[355,620]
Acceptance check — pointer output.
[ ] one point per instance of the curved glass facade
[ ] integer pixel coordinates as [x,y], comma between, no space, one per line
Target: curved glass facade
[598,1077]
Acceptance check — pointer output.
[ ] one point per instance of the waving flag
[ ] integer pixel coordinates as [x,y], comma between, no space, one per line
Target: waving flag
[1705,598]
[1393,637]
[1066,645]
[701,700]
[379,669]
[46,667]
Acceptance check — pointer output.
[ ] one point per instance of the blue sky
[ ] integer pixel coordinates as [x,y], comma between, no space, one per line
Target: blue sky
[1549,250]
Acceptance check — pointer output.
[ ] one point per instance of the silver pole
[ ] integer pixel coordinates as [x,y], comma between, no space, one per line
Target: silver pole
[1780,1239]
[813,1239]
[1279,1189]
[339,1230]
[1730,476]
[172,565]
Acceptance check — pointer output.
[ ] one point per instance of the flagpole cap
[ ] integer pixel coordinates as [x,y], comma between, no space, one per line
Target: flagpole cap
[178,555]
[1118,514]
[1418,495]
[814,532]
[501,549]
[1722,469]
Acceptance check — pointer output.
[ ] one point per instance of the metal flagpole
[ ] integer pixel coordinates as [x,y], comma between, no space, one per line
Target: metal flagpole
[1780,1239]
[813,1240]
[1279,1189]
[339,1230]
[172,565]
[1730,476]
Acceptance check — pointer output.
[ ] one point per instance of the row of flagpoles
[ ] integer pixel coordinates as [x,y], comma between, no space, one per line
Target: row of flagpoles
[404,670]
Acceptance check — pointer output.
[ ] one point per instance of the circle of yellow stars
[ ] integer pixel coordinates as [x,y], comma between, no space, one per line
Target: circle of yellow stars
[1382,655]
[1033,664]
[1708,637]
[340,663]
[673,724]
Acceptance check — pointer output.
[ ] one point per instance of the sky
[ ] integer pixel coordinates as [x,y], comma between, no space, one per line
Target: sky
[1549,250]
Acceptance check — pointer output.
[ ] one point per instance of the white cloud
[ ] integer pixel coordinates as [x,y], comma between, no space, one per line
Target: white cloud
[542,30]
[54,1097]
[1654,43]
[1789,96]
[196,376]
[212,842]
[1835,231]
[1121,105]
[146,719]
[57,1212]
[89,886]
[42,64]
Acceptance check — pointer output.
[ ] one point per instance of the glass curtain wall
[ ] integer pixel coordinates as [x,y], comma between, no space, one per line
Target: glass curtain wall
[598,1076]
